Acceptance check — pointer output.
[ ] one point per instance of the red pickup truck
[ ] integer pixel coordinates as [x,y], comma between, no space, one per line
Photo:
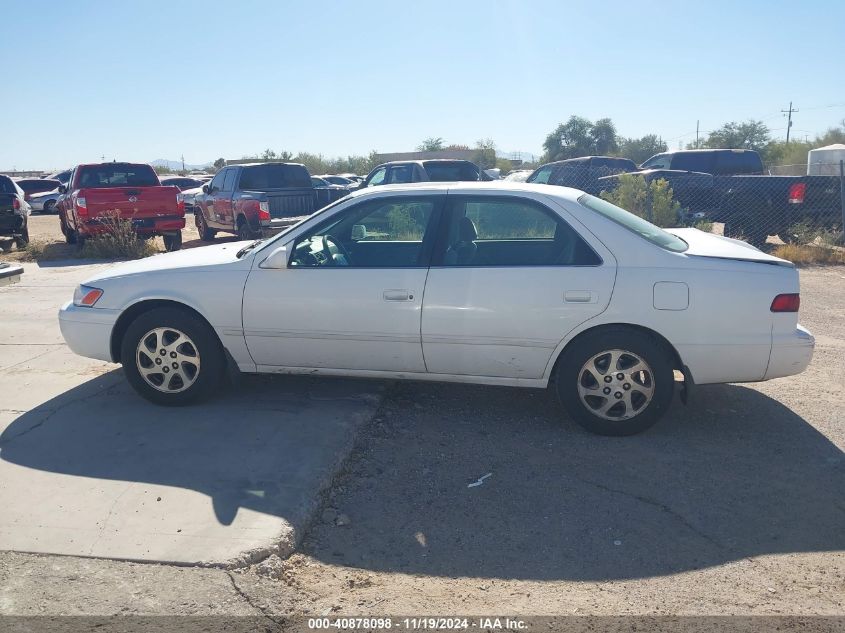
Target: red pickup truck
[132,191]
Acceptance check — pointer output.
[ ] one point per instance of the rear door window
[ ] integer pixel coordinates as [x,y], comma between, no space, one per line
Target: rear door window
[738,163]
[510,231]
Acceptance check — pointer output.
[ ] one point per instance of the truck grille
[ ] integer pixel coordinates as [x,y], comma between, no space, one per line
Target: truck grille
[289,206]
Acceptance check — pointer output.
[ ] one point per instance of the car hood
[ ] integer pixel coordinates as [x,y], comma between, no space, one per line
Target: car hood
[703,244]
[192,258]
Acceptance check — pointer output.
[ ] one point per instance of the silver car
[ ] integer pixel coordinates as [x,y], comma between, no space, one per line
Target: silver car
[44,202]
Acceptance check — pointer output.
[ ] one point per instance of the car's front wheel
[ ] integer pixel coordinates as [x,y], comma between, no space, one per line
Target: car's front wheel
[616,382]
[172,357]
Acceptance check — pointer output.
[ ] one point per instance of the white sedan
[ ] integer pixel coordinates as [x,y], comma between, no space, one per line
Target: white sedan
[510,284]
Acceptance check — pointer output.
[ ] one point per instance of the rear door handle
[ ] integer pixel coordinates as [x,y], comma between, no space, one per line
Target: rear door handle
[397,295]
[580,296]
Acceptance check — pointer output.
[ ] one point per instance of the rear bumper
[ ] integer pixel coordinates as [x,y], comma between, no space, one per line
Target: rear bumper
[12,223]
[791,353]
[271,227]
[87,331]
[142,226]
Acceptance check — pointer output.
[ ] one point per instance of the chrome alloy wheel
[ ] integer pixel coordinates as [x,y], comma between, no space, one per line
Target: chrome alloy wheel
[615,385]
[168,360]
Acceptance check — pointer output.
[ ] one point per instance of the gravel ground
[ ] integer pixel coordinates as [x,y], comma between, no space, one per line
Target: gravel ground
[731,505]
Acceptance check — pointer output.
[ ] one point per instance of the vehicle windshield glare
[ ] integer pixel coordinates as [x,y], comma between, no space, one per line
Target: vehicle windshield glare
[633,223]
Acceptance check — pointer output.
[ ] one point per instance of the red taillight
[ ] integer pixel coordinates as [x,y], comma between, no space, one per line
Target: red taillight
[180,204]
[16,204]
[796,192]
[263,211]
[786,303]
[81,206]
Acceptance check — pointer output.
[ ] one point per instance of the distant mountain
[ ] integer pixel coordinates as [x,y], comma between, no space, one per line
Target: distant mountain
[176,165]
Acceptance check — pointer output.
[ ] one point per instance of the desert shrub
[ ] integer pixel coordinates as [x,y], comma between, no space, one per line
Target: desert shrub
[704,225]
[652,200]
[805,254]
[117,241]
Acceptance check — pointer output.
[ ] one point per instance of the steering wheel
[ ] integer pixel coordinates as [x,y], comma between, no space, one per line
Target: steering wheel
[328,240]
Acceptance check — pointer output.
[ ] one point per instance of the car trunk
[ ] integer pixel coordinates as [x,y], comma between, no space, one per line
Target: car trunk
[9,220]
[703,244]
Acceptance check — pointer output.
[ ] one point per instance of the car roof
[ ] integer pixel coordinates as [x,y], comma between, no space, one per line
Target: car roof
[495,186]
[276,162]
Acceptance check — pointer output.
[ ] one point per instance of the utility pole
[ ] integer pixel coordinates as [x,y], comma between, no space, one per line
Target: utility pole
[789,121]
[696,134]
[183,163]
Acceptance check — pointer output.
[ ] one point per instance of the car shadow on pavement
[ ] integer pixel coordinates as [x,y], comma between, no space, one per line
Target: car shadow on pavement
[262,446]
[462,481]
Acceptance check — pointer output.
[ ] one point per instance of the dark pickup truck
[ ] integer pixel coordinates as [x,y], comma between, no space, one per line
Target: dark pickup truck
[254,199]
[14,212]
[736,190]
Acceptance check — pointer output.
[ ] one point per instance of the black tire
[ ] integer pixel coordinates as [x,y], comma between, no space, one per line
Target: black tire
[206,234]
[70,234]
[245,232]
[211,365]
[49,207]
[23,239]
[635,343]
[172,241]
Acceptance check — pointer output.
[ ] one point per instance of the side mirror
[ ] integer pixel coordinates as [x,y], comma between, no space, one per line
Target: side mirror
[205,188]
[62,189]
[277,260]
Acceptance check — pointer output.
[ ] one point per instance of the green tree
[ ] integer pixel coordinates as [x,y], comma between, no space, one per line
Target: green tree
[748,135]
[485,153]
[431,144]
[652,201]
[581,137]
[641,149]
[603,135]
[268,154]
[220,163]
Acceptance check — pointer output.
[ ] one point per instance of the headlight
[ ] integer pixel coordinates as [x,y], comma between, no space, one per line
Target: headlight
[86,296]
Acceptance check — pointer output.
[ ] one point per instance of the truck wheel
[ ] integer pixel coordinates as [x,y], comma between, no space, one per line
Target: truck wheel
[172,357]
[49,207]
[22,240]
[244,230]
[615,382]
[206,234]
[172,241]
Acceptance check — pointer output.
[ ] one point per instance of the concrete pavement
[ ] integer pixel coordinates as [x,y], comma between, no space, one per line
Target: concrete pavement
[88,468]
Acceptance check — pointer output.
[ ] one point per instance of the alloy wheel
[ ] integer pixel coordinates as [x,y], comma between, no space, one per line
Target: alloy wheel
[615,385]
[168,360]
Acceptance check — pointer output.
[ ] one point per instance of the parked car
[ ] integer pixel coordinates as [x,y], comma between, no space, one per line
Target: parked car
[182,182]
[438,170]
[339,180]
[750,206]
[494,283]
[132,191]
[45,202]
[254,199]
[326,192]
[32,186]
[519,175]
[61,176]
[14,212]
[719,162]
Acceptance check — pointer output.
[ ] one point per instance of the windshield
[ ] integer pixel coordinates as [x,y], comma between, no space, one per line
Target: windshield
[633,223]
[274,176]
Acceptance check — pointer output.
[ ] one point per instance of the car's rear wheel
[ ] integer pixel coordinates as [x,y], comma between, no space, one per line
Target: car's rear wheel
[172,357]
[616,382]
[49,207]
[244,230]
[23,239]
[206,234]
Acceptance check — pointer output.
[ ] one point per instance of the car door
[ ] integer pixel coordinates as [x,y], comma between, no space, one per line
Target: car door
[510,278]
[209,199]
[351,296]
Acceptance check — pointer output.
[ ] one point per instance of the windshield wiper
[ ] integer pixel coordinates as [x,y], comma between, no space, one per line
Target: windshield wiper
[249,247]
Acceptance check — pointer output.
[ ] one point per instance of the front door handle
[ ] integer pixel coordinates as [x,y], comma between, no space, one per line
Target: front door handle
[580,296]
[397,295]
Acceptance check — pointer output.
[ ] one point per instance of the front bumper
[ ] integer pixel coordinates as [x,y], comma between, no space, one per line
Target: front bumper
[87,331]
[791,353]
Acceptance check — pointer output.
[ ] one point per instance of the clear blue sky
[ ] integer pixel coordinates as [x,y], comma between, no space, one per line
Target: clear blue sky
[147,80]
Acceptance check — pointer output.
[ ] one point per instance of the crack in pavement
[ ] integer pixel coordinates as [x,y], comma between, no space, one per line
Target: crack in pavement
[6,441]
[29,360]
[281,623]
[659,505]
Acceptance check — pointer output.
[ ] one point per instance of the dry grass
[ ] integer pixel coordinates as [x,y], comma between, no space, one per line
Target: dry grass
[118,241]
[805,254]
